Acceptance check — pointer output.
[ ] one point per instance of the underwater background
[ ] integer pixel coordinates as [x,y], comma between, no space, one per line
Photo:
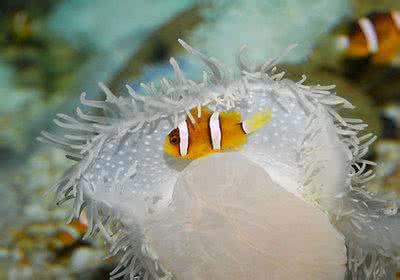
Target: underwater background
[52,50]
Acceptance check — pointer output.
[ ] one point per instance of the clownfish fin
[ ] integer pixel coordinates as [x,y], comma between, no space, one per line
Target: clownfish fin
[257,121]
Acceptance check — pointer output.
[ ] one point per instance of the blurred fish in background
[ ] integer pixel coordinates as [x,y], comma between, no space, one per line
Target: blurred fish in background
[376,36]
[52,50]
[49,249]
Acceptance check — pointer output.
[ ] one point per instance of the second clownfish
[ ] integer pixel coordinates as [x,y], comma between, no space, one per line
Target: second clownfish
[376,36]
[212,132]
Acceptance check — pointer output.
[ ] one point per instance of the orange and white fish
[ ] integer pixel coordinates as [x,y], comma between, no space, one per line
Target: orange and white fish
[68,235]
[54,242]
[376,36]
[212,132]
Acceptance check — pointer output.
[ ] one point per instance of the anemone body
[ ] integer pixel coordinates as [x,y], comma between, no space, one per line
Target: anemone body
[235,223]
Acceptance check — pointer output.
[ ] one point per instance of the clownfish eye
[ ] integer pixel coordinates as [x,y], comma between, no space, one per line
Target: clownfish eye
[173,140]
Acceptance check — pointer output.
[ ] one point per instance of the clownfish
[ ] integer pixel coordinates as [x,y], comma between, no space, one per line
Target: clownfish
[376,36]
[212,132]
[68,235]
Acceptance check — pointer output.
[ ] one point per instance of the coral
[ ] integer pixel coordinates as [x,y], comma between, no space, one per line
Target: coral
[124,180]
[23,188]
[229,24]
[127,30]
[78,21]
[13,135]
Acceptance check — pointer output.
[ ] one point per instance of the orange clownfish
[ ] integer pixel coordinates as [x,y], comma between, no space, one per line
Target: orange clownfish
[212,132]
[70,234]
[376,36]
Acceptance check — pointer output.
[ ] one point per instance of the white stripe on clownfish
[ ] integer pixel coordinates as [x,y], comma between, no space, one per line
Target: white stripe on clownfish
[396,18]
[244,128]
[369,32]
[215,131]
[183,138]
[71,231]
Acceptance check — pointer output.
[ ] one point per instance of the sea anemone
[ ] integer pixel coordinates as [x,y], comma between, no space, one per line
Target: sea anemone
[136,196]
